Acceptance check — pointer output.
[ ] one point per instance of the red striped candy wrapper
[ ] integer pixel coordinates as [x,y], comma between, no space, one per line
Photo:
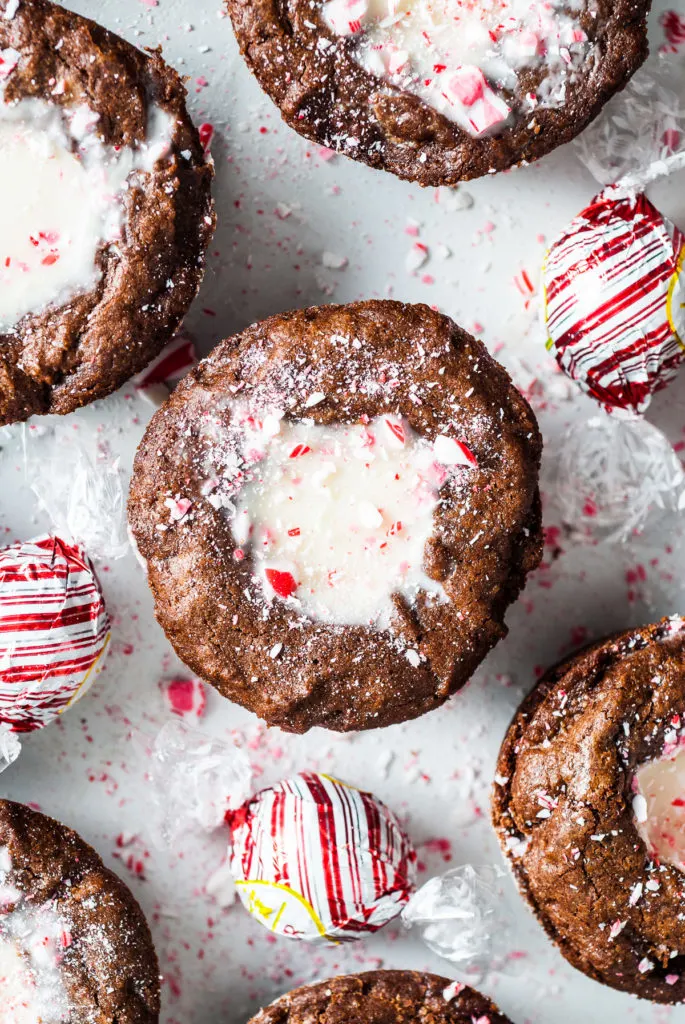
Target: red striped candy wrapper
[313,858]
[54,630]
[615,299]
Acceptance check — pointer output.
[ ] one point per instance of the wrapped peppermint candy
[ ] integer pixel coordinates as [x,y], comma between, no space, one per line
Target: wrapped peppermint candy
[313,858]
[615,312]
[54,631]
[317,860]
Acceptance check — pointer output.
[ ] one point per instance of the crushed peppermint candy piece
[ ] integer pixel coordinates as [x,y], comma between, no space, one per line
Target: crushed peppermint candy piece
[9,59]
[283,583]
[462,64]
[451,452]
[178,508]
[174,361]
[186,698]
[452,991]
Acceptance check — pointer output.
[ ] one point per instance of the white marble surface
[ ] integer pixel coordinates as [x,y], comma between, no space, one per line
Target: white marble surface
[281,208]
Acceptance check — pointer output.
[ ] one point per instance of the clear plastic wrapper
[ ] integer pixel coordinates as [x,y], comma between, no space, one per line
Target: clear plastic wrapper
[314,859]
[461,916]
[610,475]
[81,487]
[640,134]
[196,778]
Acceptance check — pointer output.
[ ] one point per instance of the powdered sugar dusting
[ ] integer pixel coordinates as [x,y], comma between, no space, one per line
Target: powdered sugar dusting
[32,943]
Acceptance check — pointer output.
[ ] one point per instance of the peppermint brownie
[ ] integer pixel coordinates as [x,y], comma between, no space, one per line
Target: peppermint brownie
[588,803]
[74,945]
[439,91]
[102,244]
[336,509]
[383,997]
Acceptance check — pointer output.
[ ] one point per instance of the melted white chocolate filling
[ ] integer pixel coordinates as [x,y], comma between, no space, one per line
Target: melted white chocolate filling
[63,192]
[457,55]
[659,807]
[337,517]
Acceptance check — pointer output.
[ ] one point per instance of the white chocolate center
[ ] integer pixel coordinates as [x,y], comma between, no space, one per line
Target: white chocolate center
[457,54]
[33,941]
[61,195]
[18,1004]
[659,807]
[337,517]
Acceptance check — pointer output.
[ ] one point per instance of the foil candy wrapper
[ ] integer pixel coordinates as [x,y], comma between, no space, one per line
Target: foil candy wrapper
[54,632]
[614,296]
[313,858]
[318,860]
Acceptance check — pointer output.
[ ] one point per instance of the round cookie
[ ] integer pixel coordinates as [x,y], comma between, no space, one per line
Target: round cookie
[74,945]
[367,588]
[102,247]
[587,804]
[383,997]
[438,97]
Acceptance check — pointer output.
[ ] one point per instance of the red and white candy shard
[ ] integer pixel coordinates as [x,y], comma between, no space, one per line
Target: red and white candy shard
[458,56]
[67,190]
[315,859]
[659,806]
[615,300]
[174,361]
[54,630]
[337,517]
[33,940]
[186,698]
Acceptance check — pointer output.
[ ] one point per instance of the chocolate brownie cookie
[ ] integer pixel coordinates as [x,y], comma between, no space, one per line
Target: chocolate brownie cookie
[588,803]
[439,92]
[336,508]
[74,945]
[383,997]
[102,242]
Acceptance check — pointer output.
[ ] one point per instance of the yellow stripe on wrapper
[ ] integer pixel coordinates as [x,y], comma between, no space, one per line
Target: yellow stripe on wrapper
[270,916]
[90,676]
[675,300]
